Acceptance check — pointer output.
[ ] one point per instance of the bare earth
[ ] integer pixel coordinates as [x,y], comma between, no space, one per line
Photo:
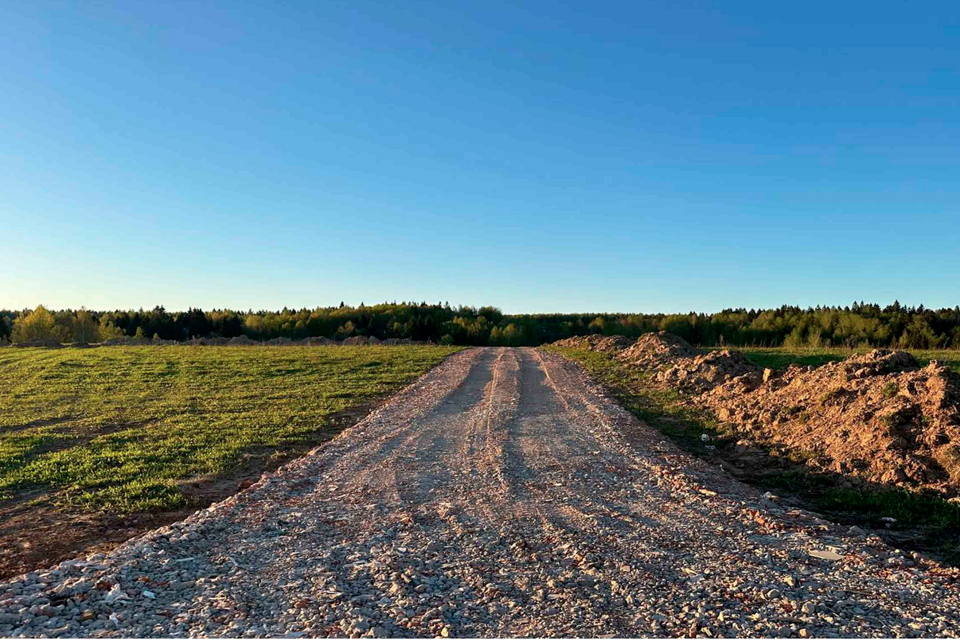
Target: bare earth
[501,494]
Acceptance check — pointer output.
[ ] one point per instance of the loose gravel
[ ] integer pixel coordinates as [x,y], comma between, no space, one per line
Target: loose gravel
[501,494]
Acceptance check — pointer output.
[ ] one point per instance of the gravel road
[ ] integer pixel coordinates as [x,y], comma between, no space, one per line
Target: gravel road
[501,494]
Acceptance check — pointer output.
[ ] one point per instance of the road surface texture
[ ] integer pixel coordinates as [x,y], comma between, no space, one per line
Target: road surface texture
[502,494]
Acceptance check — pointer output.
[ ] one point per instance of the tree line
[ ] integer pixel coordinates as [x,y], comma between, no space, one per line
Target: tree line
[857,325]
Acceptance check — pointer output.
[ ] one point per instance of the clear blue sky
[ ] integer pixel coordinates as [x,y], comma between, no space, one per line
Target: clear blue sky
[538,156]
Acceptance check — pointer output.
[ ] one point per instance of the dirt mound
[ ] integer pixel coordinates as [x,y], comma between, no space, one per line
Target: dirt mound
[318,341]
[354,341]
[127,341]
[596,342]
[879,361]
[279,342]
[706,371]
[242,341]
[877,416]
[50,343]
[211,342]
[654,350]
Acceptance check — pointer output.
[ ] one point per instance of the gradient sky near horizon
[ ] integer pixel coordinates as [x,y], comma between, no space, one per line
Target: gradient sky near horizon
[537,156]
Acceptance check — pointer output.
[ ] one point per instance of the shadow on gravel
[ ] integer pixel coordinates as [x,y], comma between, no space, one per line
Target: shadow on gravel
[921,521]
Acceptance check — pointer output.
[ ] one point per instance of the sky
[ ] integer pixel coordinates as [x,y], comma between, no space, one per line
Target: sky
[537,156]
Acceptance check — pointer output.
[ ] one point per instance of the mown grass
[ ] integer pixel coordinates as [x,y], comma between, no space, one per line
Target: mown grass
[937,520]
[779,358]
[120,428]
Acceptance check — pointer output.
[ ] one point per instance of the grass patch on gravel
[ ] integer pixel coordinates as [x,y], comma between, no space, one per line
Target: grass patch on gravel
[780,358]
[923,521]
[121,428]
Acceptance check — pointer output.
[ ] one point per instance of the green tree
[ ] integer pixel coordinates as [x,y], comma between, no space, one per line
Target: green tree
[39,324]
[108,330]
[85,328]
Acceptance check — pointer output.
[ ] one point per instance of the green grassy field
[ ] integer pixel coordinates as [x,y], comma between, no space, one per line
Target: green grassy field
[121,428]
[782,357]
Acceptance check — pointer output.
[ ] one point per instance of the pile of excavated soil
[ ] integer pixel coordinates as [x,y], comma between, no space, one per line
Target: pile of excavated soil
[596,342]
[654,350]
[706,371]
[360,341]
[279,342]
[242,341]
[878,416]
[50,343]
[127,341]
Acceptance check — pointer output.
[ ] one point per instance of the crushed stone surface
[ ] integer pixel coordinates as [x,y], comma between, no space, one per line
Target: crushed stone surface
[502,494]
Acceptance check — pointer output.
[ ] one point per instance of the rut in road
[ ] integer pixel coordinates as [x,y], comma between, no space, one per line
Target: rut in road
[501,494]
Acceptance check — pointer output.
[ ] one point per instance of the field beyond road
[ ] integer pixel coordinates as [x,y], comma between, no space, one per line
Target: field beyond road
[92,441]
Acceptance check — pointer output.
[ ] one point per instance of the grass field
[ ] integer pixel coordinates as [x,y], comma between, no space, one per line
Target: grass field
[124,428]
[783,357]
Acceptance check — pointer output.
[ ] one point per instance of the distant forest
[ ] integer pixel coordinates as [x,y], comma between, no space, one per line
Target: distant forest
[857,325]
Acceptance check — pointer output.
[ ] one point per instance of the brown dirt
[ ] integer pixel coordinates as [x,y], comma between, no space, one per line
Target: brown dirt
[360,341]
[36,531]
[878,416]
[653,350]
[596,342]
[50,343]
[706,371]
